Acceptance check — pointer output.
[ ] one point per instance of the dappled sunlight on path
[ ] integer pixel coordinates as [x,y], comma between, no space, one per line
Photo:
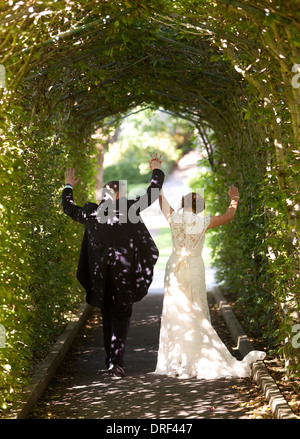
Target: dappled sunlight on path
[82,391]
[148,397]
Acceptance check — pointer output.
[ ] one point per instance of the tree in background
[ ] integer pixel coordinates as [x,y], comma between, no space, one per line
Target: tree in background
[140,134]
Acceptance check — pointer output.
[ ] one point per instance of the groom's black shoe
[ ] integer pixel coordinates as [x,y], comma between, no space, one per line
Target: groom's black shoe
[116,371]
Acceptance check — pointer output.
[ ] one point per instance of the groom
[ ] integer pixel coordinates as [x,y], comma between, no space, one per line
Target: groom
[117,256]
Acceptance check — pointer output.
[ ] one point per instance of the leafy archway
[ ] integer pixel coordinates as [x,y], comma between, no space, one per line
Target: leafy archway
[228,66]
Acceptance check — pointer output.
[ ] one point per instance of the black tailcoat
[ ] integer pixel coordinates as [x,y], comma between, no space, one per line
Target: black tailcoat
[116,234]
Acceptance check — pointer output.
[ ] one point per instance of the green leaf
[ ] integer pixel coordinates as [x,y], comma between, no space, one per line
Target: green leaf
[247,115]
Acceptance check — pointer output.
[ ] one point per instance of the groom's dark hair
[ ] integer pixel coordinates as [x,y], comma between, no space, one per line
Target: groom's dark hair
[114,185]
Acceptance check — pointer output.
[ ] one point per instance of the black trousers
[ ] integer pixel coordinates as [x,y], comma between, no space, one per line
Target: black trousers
[116,320]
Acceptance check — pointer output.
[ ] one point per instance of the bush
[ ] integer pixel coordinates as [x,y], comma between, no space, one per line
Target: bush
[253,254]
[39,246]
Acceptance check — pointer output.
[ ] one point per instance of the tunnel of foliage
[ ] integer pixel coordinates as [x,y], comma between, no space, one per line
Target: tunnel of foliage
[73,69]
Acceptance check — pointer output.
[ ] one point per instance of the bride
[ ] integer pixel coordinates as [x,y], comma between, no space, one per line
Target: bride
[188,344]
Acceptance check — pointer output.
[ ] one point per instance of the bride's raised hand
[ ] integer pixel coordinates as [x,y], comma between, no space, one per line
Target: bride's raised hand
[233,191]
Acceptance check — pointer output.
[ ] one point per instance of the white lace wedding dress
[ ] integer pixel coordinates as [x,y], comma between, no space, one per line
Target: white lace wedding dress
[188,344]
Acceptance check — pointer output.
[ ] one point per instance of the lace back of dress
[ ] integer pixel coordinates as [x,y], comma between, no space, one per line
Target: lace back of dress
[188,230]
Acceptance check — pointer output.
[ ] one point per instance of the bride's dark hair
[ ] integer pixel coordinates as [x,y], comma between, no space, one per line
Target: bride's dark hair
[193,200]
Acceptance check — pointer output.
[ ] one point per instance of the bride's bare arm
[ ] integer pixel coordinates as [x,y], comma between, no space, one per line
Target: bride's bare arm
[166,209]
[216,221]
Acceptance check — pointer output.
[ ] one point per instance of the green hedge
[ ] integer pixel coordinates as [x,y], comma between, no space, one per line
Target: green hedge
[39,244]
[255,256]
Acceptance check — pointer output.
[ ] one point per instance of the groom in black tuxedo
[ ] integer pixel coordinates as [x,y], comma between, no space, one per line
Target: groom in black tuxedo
[117,256]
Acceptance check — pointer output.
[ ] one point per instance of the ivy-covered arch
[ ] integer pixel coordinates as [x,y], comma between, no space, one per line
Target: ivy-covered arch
[228,66]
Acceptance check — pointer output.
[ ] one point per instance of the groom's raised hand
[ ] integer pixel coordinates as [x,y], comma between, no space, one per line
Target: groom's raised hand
[70,177]
[155,162]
